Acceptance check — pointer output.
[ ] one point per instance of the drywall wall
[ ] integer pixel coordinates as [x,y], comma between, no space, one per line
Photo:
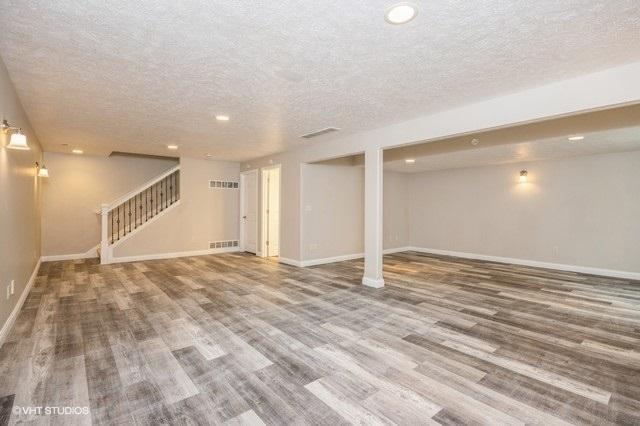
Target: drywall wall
[20,191]
[204,214]
[395,215]
[581,211]
[333,211]
[77,186]
[607,88]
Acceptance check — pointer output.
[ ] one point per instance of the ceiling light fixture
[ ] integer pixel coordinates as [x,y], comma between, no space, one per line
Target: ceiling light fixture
[222,117]
[410,161]
[18,139]
[523,176]
[475,141]
[575,138]
[77,151]
[173,147]
[401,13]
[42,171]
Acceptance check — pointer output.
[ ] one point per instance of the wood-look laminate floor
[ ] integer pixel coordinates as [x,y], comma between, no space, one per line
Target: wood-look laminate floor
[242,340]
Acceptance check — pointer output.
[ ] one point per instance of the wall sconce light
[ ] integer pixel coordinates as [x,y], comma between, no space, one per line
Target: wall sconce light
[18,139]
[42,171]
[523,176]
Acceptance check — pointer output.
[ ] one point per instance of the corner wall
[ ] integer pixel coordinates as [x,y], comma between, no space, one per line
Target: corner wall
[75,190]
[580,211]
[204,214]
[19,203]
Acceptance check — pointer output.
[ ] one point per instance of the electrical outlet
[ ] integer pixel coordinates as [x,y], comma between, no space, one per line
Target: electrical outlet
[13,287]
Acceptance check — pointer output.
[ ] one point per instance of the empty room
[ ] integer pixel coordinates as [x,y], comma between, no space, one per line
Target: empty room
[330,212]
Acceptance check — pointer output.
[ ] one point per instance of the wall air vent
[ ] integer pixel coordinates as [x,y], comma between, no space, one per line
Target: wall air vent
[320,132]
[223,244]
[219,184]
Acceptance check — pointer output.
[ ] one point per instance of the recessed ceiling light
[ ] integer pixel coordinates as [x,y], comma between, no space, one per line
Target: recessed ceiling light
[222,117]
[475,141]
[575,138]
[401,13]
[77,151]
[410,160]
[174,147]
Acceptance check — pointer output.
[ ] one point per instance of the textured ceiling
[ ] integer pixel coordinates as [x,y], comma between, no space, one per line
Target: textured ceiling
[135,76]
[615,140]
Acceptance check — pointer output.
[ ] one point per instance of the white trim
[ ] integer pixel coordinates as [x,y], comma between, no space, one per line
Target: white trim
[373,283]
[158,256]
[323,261]
[6,328]
[243,176]
[334,259]
[89,254]
[533,263]
[396,250]
[290,262]
[144,225]
[142,187]
[263,240]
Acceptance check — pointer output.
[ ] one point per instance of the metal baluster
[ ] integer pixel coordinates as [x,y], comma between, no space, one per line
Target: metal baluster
[112,228]
[118,222]
[171,187]
[161,198]
[135,211]
[156,185]
[129,215]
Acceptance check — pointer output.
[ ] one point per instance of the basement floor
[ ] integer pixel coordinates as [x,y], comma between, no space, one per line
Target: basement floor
[239,339]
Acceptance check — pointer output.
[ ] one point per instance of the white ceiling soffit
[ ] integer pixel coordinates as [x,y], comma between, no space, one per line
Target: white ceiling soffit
[608,141]
[134,76]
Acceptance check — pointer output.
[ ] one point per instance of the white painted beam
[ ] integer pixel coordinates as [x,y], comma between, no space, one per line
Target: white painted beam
[373,218]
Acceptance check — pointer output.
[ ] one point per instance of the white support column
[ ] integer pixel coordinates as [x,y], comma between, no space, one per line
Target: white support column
[104,239]
[373,218]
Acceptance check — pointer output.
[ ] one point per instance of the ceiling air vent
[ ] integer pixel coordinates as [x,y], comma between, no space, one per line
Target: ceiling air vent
[320,132]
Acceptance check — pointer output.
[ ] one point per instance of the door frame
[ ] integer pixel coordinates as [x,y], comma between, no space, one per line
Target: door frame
[263,211]
[243,178]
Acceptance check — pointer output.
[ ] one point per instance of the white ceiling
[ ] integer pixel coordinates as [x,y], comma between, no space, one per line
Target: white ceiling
[137,75]
[614,140]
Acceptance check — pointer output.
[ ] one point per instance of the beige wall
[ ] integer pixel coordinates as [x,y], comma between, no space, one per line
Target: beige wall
[395,214]
[203,215]
[19,201]
[582,211]
[333,210]
[77,186]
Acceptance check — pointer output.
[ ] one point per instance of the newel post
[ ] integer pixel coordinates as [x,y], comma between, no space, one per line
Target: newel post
[104,240]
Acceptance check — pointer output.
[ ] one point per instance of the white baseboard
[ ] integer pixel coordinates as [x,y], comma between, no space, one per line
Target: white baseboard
[89,254]
[6,328]
[323,261]
[537,264]
[314,262]
[157,256]
[290,262]
[396,250]
[373,283]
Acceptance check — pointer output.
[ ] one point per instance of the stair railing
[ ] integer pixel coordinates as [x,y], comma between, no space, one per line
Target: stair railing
[126,214]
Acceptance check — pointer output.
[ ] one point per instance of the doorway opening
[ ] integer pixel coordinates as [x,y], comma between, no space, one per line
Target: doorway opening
[249,211]
[270,211]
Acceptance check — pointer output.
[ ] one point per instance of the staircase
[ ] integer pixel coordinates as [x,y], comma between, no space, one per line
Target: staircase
[131,212]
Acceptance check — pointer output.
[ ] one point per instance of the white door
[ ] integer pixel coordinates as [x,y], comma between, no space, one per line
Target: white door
[249,211]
